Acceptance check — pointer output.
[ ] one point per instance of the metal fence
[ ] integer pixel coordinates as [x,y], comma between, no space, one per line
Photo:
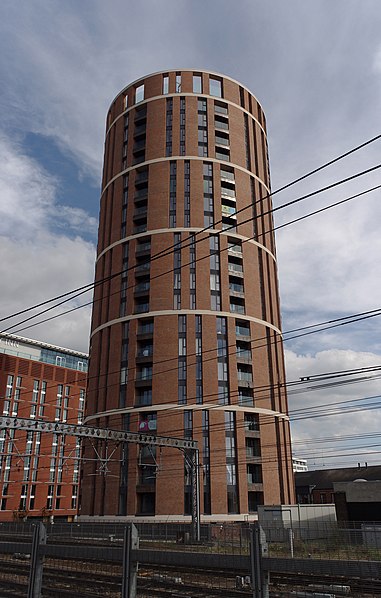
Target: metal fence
[108,560]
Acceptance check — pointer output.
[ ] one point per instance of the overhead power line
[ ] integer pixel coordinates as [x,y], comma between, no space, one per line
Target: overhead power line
[170,271]
[89,286]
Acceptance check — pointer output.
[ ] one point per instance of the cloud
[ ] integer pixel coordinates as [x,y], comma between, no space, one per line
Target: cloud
[37,261]
[303,399]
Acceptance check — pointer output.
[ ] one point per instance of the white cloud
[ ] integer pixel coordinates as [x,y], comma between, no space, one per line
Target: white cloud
[37,263]
[303,400]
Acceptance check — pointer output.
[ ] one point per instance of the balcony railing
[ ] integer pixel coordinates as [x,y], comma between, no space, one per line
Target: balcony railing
[235,267]
[236,308]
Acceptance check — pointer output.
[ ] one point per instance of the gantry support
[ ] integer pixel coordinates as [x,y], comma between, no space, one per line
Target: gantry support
[189,447]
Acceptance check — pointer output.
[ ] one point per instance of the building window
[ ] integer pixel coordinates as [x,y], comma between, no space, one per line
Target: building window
[124,206]
[148,423]
[231,463]
[124,281]
[192,272]
[215,87]
[222,361]
[197,83]
[254,472]
[245,397]
[172,194]
[124,365]
[182,126]
[247,142]
[182,360]
[202,128]
[125,143]
[177,272]
[208,195]
[198,352]
[253,449]
[178,82]
[215,291]
[168,127]
[206,461]
[186,193]
[255,499]
[220,108]
[139,93]
[145,327]
[165,84]
[144,397]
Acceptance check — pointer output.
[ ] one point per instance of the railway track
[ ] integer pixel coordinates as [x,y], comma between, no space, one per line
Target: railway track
[64,578]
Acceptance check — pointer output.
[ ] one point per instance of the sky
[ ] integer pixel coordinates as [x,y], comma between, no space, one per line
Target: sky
[316,69]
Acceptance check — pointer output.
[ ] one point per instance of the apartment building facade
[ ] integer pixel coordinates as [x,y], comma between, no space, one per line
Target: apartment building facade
[186,331]
[39,471]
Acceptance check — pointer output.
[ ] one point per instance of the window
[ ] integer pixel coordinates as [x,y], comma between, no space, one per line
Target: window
[182,126]
[253,448]
[144,397]
[197,83]
[172,194]
[145,327]
[220,108]
[215,87]
[251,422]
[165,84]
[186,193]
[202,128]
[168,127]
[254,474]
[139,93]
[148,422]
[242,328]
[245,397]
[178,82]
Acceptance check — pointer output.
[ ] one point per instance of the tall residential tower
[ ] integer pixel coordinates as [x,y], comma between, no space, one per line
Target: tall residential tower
[186,336]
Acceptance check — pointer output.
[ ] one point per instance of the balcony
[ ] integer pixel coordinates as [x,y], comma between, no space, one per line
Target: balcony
[237,308]
[142,287]
[140,115]
[142,308]
[146,351]
[141,177]
[139,212]
[143,249]
[139,145]
[221,125]
[224,141]
[141,193]
[140,130]
[245,376]
[228,193]
[243,354]
[236,268]
[236,289]
[142,268]
[235,249]
[140,228]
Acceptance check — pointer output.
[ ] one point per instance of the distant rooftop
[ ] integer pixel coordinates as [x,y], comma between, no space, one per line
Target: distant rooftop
[25,348]
[325,478]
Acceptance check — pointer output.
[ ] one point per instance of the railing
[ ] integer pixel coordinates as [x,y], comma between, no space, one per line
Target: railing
[235,267]
[231,559]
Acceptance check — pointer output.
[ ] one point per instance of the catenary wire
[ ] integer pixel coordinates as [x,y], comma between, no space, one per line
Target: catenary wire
[89,286]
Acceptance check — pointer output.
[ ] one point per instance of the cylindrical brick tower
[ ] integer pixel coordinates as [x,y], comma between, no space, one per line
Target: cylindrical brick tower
[186,337]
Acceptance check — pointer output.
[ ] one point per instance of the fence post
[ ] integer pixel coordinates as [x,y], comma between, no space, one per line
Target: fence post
[36,561]
[130,568]
[259,577]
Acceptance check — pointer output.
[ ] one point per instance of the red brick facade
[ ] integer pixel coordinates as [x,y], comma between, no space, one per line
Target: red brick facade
[186,323]
[39,472]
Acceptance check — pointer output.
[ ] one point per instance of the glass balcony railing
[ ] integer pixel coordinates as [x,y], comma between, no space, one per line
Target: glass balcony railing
[235,267]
